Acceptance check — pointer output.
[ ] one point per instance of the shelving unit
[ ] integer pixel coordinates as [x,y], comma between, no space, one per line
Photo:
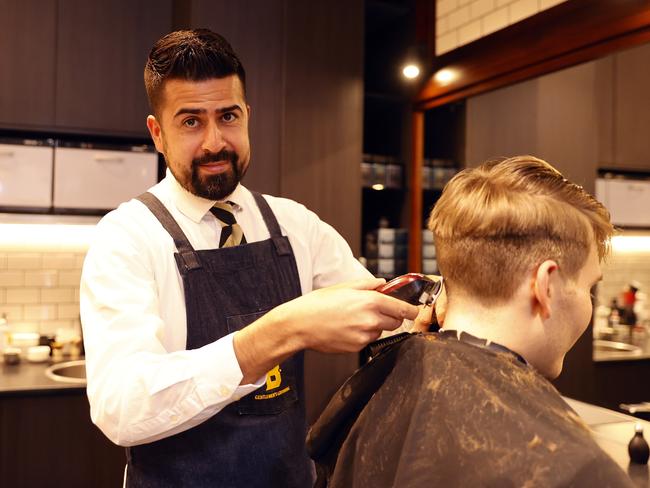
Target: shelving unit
[386,108]
[387,198]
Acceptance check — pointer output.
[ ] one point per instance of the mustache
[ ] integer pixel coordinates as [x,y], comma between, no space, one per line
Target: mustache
[223,155]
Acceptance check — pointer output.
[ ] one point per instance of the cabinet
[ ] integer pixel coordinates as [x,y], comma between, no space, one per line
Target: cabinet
[77,66]
[48,439]
[632,109]
[27,62]
[102,47]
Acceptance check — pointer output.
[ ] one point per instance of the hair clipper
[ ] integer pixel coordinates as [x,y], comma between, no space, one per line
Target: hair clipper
[413,288]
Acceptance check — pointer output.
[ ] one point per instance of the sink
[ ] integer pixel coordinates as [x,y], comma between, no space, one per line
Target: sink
[68,372]
[616,347]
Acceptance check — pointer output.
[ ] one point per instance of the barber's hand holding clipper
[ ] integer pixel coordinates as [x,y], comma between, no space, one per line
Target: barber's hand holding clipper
[341,318]
[426,291]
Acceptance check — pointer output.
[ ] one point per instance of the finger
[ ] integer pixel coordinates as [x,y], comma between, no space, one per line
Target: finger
[396,308]
[423,320]
[382,323]
[362,284]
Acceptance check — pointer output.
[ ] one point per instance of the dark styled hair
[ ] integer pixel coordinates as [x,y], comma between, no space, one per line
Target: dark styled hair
[194,55]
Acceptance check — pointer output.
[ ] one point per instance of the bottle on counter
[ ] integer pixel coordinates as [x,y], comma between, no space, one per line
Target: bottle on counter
[638,447]
[614,318]
[4,333]
[628,298]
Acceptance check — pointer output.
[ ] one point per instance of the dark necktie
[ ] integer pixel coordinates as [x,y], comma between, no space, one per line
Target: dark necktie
[231,232]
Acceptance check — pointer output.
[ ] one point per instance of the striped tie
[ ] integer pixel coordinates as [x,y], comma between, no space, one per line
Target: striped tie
[231,232]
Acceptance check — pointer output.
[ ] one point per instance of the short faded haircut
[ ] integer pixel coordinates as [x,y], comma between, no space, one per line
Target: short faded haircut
[494,223]
[193,55]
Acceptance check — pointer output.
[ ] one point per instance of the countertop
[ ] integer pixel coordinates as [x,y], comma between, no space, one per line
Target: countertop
[641,340]
[613,431]
[27,377]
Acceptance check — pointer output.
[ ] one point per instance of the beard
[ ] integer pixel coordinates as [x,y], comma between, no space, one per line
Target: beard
[219,186]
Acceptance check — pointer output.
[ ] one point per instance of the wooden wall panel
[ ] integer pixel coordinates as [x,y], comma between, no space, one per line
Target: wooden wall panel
[502,123]
[632,109]
[255,29]
[102,48]
[322,139]
[563,117]
[27,63]
[570,114]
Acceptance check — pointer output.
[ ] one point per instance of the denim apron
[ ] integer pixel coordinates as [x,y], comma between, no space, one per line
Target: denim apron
[258,441]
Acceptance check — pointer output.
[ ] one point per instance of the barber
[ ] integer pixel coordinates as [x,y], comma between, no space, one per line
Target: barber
[199,296]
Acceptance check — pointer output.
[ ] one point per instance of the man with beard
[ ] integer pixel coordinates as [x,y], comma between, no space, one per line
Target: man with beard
[199,296]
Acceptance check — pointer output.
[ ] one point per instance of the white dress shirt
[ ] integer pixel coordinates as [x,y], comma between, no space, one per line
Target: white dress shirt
[142,383]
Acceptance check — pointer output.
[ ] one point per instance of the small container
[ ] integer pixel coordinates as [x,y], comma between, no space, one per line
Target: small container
[38,354]
[24,340]
[57,351]
[11,355]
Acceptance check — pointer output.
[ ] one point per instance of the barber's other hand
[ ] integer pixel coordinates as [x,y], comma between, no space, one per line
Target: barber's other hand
[345,317]
[425,315]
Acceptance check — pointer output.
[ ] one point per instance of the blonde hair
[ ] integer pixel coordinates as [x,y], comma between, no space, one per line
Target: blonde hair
[494,223]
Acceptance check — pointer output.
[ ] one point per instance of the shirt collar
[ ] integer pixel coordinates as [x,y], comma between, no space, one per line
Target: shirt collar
[195,207]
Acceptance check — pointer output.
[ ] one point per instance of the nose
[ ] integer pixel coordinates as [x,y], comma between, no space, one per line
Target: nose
[213,141]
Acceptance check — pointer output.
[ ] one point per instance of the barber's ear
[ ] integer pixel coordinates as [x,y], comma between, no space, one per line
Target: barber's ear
[543,288]
[155,130]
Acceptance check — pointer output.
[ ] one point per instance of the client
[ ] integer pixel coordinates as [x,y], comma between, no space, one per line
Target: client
[520,249]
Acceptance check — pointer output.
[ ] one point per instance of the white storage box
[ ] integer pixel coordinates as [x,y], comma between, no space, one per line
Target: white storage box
[26,174]
[99,178]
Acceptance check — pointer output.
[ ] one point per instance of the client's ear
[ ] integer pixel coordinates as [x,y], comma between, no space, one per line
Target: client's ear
[543,287]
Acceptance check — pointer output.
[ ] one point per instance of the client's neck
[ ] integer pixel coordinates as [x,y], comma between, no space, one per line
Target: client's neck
[510,324]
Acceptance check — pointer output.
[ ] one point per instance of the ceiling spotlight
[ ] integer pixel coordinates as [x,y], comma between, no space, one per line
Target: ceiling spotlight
[445,76]
[411,71]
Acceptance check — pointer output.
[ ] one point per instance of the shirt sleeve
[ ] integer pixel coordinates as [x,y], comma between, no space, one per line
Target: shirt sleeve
[139,392]
[332,258]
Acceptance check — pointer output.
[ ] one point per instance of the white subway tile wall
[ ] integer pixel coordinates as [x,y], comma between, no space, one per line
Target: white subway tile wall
[619,270]
[459,22]
[39,291]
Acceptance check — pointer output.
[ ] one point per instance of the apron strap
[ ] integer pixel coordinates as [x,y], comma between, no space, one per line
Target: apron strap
[281,244]
[188,257]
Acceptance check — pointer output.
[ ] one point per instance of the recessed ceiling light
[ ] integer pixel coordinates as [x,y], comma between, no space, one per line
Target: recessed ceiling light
[411,71]
[445,76]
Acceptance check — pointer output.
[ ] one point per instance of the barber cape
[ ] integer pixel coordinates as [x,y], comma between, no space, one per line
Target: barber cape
[431,410]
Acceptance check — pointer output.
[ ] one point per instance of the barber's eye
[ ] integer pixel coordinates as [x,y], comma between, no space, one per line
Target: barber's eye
[190,123]
[228,117]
